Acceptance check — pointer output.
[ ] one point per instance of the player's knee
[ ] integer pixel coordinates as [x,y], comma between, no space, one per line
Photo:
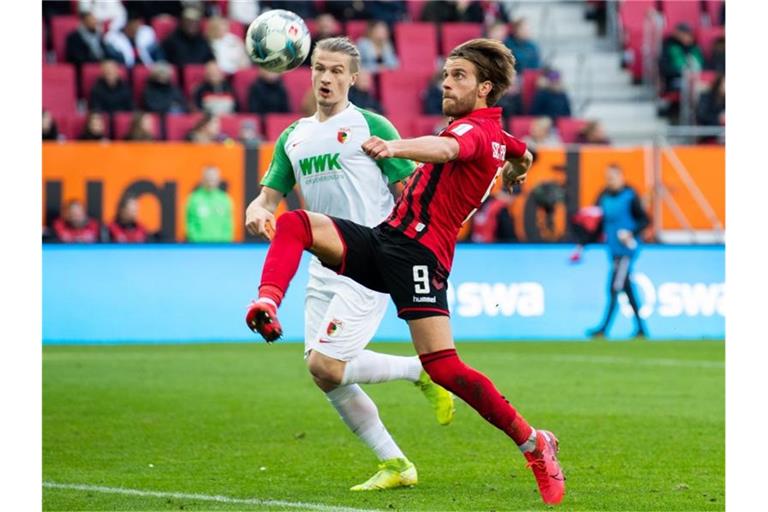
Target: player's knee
[325,370]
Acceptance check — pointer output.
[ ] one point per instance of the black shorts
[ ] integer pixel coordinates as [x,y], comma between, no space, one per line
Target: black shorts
[385,260]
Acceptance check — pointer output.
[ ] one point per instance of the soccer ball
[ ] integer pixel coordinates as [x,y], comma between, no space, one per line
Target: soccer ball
[278,40]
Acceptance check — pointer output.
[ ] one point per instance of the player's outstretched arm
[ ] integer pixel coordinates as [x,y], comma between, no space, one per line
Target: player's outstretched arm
[428,149]
[259,216]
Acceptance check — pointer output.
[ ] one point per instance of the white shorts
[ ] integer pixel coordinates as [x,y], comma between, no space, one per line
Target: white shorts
[340,316]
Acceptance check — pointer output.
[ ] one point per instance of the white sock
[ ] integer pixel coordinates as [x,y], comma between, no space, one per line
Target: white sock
[530,444]
[362,417]
[371,367]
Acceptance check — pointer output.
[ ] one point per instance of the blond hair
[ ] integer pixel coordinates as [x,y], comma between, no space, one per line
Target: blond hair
[339,45]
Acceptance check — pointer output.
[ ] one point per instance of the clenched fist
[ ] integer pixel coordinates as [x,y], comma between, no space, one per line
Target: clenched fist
[377,148]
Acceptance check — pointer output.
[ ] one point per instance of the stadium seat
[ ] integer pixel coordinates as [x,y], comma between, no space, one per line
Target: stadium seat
[274,124]
[163,25]
[59,89]
[713,9]
[178,125]
[73,124]
[681,11]
[528,88]
[241,83]
[569,128]
[192,75]
[403,123]
[428,125]
[121,122]
[235,27]
[453,34]
[140,73]
[297,83]
[230,124]
[706,36]
[61,27]
[520,126]
[415,7]
[632,13]
[89,74]
[401,91]
[355,29]
[416,45]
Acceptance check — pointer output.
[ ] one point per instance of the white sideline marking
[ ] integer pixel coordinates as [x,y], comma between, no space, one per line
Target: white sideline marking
[203,497]
[686,363]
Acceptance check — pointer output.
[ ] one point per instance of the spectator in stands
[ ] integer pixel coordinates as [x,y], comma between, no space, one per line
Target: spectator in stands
[303,8]
[208,129]
[186,45]
[111,93]
[525,50]
[678,52]
[717,59]
[492,223]
[440,11]
[95,127]
[75,226]
[512,102]
[227,47]
[376,50]
[498,32]
[325,26]
[109,14]
[136,42]
[592,133]
[710,110]
[550,99]
[540,133]
[126,227]
[385,10]
[160,94]
[86,44]
[432,98]
[360,93]
[244,11]
[267,94]
[248,133]
[50,130]
[209,211]
[215,94]
[142,127]
[346,10]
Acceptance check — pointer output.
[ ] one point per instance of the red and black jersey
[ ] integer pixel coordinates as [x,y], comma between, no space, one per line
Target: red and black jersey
[66,232]
[439,198]
[127,233]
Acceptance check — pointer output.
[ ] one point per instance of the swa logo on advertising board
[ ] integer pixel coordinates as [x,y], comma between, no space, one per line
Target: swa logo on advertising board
[472,299]
[672,299]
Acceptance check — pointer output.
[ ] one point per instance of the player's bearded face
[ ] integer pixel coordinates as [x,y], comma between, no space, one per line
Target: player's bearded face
[331,78]
[460,88]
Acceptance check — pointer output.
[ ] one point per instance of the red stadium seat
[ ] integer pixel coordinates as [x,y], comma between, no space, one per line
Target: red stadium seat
[632,13]
[404,125]
[235,27]
[428,125]
[178,125]
[163,25]
[355,29]
[61,27]
[528,88]
[241,83]
[706,36]
[73,125]
[416,45]
[230,124]
[297,83]
[401,91]
[681,11]
[276,123]
[122,124]
[569,128]
[520,126]
[89,74]
[192,75]
[453,34]
[59,89]
[140,74]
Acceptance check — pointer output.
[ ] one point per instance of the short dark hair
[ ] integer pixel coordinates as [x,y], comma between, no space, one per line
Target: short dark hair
[494,63]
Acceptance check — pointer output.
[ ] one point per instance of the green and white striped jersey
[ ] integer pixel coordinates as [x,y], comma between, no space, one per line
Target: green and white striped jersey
[336,177]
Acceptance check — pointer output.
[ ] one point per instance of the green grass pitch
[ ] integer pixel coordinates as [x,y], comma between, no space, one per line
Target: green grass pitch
[641,426]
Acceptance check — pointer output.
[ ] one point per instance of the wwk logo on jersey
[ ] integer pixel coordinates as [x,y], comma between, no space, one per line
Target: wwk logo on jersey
[499,150]
[343,135]
[319,163]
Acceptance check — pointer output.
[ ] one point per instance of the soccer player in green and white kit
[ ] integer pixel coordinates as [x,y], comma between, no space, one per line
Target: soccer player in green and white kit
[323,155]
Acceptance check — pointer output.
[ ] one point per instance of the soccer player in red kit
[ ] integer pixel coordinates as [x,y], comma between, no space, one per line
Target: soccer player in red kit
[409,255]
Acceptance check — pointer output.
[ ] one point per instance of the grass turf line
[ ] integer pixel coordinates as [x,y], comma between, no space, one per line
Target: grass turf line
[641,426]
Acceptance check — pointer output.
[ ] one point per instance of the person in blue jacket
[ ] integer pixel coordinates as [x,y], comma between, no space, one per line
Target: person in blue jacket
[623,220]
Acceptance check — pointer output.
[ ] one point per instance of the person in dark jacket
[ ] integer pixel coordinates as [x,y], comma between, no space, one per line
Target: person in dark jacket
[187,45]
[160,94]
[95,127]
[440,11]
[622,221]
[111,93]
[360,93]
[50,130]
[215,94]
[710,110]
[432,98]
[550,99]
[126,227]
[678,51]
[525,50]
[85,44]
[267,94]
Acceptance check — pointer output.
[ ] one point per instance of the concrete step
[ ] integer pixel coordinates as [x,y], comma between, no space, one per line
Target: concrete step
[608,94]
[622,110]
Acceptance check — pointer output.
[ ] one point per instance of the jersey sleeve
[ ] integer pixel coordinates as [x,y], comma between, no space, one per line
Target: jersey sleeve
[395,169]
[468,135]
[515,147]
[280,175]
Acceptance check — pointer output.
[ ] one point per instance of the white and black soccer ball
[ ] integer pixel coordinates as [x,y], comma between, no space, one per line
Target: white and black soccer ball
[278,40]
